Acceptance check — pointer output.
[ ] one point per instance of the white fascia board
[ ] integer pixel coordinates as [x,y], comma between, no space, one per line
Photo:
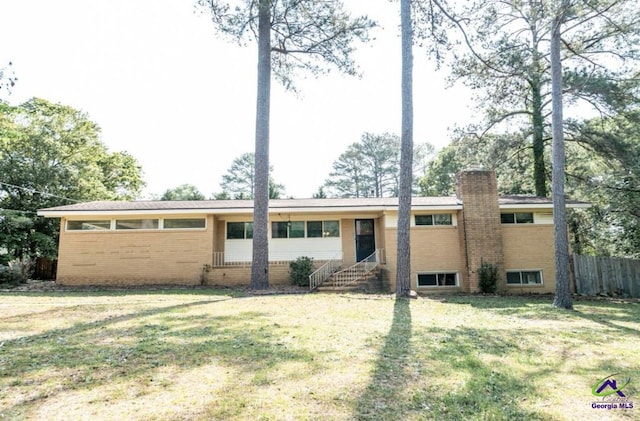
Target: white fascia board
[548,206]
[436,208]
[158,212]
[246,211]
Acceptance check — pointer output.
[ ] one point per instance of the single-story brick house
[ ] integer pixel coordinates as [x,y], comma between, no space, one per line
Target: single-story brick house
[209,242]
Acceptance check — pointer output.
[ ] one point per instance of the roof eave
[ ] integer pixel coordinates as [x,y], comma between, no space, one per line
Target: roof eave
[50,213]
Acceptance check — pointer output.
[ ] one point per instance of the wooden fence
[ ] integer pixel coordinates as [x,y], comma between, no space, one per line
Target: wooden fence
[607,275]
[45,269]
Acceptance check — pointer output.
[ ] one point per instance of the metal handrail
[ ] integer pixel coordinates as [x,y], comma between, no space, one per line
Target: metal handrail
[324,272]
[355,272]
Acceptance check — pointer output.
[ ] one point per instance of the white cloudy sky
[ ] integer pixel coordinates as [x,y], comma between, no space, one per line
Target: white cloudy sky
[164,87]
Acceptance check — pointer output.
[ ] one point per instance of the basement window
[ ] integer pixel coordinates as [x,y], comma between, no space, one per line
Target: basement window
[444,279]
[524,277]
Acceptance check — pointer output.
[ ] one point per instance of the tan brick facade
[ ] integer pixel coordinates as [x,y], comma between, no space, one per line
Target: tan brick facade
[433,249]
[530,247]
[481,237]
[194,256]
[133,257]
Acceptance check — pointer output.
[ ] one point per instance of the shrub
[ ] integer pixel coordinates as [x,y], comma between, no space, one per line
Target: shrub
[488,278]
[300,269]
[11,275]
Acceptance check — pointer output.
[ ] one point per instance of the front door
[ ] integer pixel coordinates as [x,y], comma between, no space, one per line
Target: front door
[365,239]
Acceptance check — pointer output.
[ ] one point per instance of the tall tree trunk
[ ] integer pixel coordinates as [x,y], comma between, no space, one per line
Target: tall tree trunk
[403,272]
[563,294]
[537,121]
[260,263]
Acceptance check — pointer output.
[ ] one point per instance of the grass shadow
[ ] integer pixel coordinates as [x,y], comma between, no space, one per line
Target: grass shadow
[381,397]
[88,356]
[465,379]
[84,292]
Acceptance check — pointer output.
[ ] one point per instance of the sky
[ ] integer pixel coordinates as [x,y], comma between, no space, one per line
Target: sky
[168,89]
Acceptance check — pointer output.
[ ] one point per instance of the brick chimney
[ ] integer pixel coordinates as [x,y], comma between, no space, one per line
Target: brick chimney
[481,233]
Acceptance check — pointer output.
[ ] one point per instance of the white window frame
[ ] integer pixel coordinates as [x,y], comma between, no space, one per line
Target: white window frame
[515,218]
[162,226]
[111,226]
[433,220]
[521,284]
[226,231]
[437,273]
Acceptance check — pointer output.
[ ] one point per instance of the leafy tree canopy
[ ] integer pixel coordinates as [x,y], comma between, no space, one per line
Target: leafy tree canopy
[371,167]
[505,60]
[306,35]
[238,182]
[183,192]
[51,155]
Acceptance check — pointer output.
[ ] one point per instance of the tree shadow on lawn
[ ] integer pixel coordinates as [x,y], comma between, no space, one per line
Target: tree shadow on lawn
[610,314]
[463,375]
[541,308]
[380,399]
[435,373]
[90,355]
[105,291]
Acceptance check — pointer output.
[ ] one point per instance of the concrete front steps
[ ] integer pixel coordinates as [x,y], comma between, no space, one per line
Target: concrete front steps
[367,282]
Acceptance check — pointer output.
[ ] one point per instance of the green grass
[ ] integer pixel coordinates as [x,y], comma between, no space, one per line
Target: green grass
[206,354]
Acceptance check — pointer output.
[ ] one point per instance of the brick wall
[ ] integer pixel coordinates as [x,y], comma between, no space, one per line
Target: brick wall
[530,247]
[134,257]
[433,249]
[241,275]
[481,238]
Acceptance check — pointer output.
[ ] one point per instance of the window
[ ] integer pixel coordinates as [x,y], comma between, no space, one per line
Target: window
[291,229]
[296,229]
[529,277]
[136,224]
[184,223]
[435,219]
[239,230]
[517,218]
[279,230]
[319,229]
[88,225]
[437,279]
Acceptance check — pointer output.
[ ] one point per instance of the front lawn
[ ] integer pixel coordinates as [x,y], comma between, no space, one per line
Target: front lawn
[207,354]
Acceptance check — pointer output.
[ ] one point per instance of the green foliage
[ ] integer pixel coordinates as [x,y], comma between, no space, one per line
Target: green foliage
[51,155]
[238,182]
[488,274]
[183,192]
[510,75]
[602,169]
[11,275]
[371,167]
[308,35]
[300,269]
[508,155]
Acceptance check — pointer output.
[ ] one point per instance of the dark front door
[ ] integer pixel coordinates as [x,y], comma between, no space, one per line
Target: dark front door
[365,239]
